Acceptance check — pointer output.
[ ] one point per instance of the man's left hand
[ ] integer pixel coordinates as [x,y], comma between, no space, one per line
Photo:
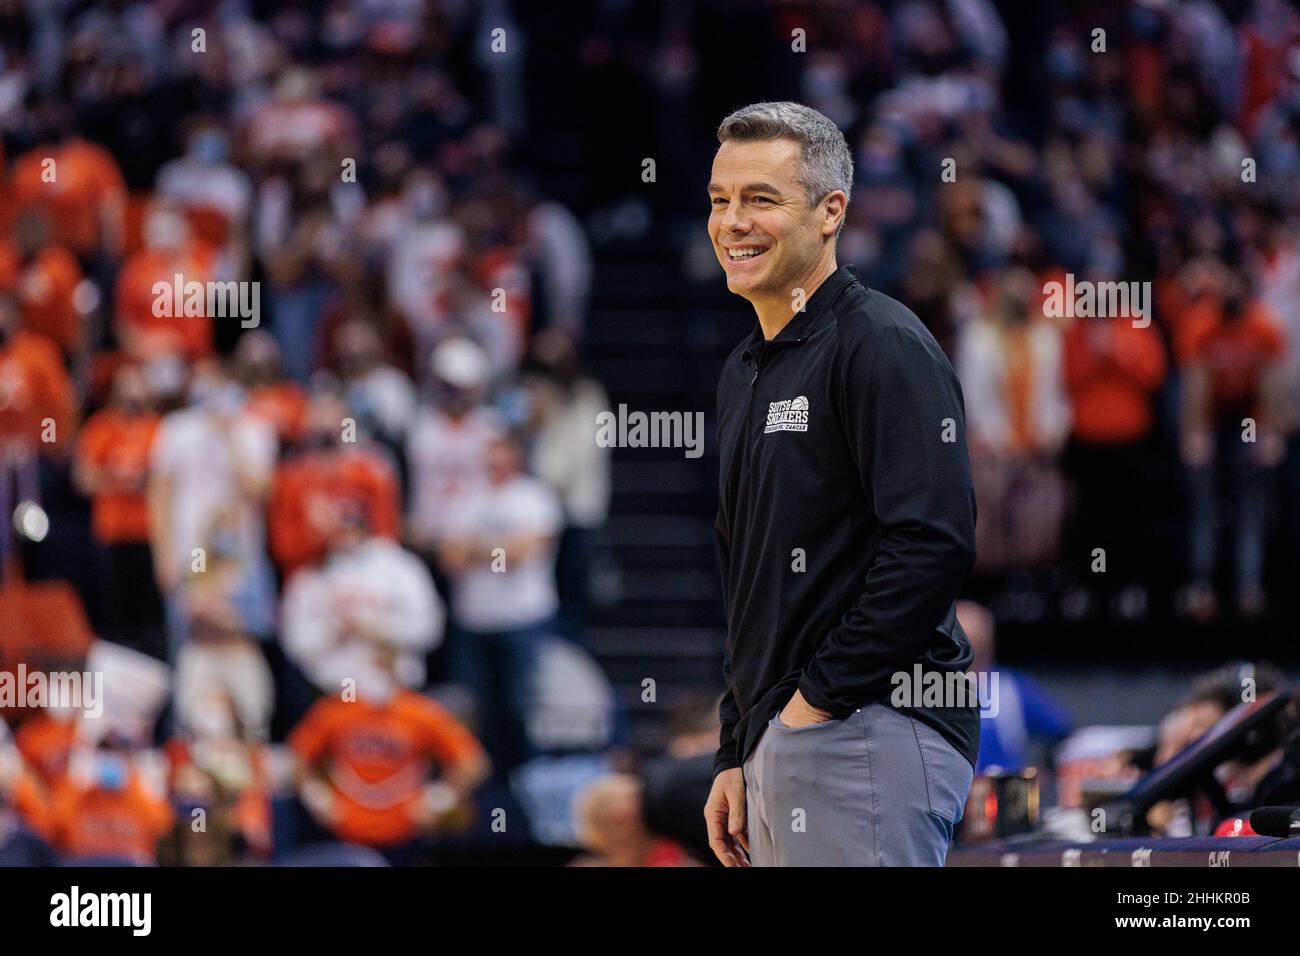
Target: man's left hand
[799,713]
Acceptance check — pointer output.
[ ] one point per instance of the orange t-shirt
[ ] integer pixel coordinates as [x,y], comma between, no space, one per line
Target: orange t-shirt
[1235,353]
[45,288]
[29,801]
[135,298]
[34,386]
[283,405]
[120,444]
[293,539]
[378,757]
[120,823]
[1110,389]
[45,744]
[86,185]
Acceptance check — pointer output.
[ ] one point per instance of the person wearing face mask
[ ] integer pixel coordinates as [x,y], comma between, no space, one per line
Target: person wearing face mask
[325,466]
[106,812]
[211,463]
[388,767]
[214,195]
[169,250]
[110,467]
[368,591]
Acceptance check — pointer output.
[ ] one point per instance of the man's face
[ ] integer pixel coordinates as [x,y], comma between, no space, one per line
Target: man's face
[759,206]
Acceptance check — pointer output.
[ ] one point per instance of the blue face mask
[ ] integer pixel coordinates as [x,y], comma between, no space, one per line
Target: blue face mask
[210,148]
[110,771]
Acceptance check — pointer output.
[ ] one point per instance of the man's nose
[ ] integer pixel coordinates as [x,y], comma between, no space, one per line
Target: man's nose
[733,220]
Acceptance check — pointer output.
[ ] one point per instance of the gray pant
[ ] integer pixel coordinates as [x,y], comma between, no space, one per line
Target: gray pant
[878,788]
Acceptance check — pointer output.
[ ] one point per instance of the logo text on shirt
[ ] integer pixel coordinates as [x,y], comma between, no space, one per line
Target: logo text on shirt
[790,415]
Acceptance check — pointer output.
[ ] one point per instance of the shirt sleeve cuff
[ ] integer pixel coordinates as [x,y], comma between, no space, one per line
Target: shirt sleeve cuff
[813,694]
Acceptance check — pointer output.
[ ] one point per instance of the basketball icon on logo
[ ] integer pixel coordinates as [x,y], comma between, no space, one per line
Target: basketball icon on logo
[799,404]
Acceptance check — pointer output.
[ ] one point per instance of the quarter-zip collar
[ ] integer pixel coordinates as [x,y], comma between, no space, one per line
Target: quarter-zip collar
[802,323]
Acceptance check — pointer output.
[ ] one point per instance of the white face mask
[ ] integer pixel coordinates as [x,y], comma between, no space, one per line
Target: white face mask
[164,231]
[377,686]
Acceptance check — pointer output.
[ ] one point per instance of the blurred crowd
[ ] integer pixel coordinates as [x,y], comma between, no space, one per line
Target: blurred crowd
[365,474]
[354,515]
[1003,147]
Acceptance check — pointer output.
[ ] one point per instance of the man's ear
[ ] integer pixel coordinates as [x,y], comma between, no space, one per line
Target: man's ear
[837,205]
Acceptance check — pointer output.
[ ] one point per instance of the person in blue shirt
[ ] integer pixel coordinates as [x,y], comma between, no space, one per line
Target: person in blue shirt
[1019,713]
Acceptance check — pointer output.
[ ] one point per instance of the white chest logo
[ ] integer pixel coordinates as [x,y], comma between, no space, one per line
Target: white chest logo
[788,416]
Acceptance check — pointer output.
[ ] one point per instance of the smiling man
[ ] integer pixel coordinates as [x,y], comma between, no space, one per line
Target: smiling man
[846,526]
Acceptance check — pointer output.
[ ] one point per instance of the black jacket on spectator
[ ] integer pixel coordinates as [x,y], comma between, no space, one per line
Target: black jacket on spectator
[847,515]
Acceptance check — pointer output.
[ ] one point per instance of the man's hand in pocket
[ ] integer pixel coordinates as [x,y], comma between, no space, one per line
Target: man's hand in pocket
[799,713]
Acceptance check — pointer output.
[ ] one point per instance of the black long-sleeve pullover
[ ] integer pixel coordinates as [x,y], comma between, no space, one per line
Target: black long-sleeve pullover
[846,522]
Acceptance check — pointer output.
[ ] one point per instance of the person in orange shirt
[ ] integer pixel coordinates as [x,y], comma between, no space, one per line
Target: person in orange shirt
[1231,420]
[325,469]
[111,467]
[1112,371]
[37,404]
[44,276]
[169,251]
[105,813]
[80,186]
[365,762]
[45,741]
[271,396]
[23,796]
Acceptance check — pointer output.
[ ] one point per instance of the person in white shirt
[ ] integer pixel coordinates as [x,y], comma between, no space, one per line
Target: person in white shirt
[446,448]
[499,554]
[210,468]
[370,592]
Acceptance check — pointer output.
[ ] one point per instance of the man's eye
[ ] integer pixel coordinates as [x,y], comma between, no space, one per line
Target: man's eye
[761,199]
[719,199]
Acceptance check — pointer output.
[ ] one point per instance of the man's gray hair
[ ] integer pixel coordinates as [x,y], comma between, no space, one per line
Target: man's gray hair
[827,163]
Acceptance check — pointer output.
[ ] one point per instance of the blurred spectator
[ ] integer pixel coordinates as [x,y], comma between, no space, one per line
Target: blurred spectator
[1020,714]
[223,684]
[1230,422]
[45,277]
[611,826]
[365,763]
[380,393]
[211,468]
[34,388]
[563,409]
[499,554]
[257,367]
[1112,371]
[107,812]
[111,468]
[1009,361]
[369,592]
[335,460]
[1258,775]
[79,185]
[148,320]
[446,448]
